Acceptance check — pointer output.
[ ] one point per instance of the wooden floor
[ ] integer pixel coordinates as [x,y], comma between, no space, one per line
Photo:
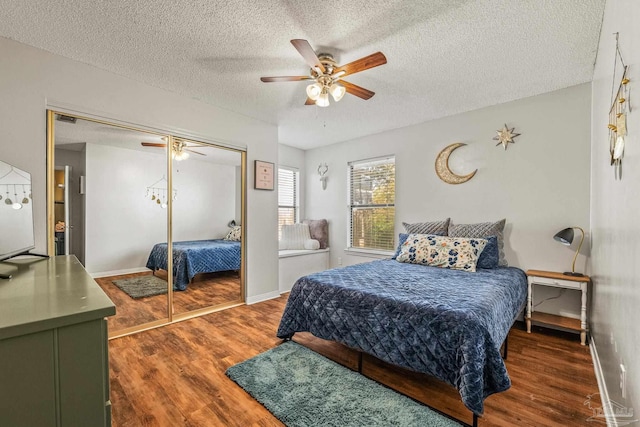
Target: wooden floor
[174,375]
[205,290]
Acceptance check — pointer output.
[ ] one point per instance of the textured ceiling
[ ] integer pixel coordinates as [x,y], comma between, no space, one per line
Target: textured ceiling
[444,56]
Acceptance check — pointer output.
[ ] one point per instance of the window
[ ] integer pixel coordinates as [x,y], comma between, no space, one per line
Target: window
[287,197]
[372,185]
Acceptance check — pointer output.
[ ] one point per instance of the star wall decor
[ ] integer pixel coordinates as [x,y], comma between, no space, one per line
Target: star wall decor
[505,136]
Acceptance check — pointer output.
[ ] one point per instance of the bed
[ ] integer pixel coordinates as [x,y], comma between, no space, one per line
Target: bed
[196,256]
[446,323]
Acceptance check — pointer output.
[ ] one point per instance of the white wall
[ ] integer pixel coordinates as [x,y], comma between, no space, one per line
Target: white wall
[123,224]
[540,184]
[614,211]
[206,200]
[294,158]
[32,79]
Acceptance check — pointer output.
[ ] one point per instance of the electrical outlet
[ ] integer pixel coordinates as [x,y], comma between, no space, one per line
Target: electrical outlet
[339,260]
[623,381]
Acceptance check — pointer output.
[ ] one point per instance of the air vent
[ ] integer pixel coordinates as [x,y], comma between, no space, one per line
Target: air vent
[68,119]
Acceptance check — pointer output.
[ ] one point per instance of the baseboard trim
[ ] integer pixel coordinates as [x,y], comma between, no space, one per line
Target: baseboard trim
[602,386]
[263,297]
[119,272]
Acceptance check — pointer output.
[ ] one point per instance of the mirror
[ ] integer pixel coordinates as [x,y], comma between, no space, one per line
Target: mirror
[124,198]
[207,254]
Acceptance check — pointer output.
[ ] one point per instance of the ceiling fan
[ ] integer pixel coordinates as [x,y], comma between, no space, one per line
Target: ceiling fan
[328,75]
[180,148]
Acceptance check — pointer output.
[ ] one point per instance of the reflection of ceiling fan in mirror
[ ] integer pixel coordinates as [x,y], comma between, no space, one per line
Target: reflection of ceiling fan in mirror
[328,75]
[180,148]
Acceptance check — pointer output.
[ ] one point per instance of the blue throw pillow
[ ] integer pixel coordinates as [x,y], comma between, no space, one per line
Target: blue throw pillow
[402,237]
[490,256]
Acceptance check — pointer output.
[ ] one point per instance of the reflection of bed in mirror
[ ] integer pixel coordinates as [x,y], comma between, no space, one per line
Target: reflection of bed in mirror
[195,257]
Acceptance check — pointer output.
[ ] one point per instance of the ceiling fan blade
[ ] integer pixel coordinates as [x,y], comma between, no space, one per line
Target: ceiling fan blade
[356,90]
[307,53]
[153,144]
[193,151]
[284,79]
[310,102]
[373,60]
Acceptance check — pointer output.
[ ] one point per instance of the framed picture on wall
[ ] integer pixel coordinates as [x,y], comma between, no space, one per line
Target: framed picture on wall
[263,173]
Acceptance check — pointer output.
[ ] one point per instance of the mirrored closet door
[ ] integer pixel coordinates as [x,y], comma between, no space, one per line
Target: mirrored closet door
[206,226]
[121,199]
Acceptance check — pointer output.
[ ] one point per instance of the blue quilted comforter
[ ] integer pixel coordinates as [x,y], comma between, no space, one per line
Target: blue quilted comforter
[196,256]
[446,323]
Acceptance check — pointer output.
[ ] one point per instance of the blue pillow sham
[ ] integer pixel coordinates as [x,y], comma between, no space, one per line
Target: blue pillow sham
[402,237]
[490,256]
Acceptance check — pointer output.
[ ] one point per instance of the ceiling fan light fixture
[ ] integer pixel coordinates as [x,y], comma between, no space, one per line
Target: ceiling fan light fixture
[323,99]
[337,91]
[180,155]
[314,90]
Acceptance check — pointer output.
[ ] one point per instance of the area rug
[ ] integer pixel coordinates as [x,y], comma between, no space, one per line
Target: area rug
[303,389]
[142,286]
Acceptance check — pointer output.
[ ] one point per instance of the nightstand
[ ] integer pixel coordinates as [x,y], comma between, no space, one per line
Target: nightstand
[558,280]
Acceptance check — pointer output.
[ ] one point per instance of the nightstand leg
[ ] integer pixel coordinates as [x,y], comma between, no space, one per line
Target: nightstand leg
[528,315]
[583,315]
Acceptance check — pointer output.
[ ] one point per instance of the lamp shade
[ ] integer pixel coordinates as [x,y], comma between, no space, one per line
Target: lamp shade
[564,236]
[314,90]
[337,91]
[323,99]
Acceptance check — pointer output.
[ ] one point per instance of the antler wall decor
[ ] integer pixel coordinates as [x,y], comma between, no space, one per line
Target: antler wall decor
[322,171]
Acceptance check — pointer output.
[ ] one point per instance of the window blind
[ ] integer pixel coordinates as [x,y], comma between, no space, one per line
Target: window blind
[372,190]
[287,197]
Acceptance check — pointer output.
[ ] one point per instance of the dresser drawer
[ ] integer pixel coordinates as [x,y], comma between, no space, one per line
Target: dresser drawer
[546,281]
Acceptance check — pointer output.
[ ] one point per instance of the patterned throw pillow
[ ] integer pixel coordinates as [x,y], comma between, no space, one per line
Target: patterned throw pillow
[483,229]
[441,251]
[439,228]
[234,234]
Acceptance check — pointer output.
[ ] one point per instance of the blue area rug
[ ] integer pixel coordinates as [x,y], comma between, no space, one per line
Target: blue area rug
[303,389]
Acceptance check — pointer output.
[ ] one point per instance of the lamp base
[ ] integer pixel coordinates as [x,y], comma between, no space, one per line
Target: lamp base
[574,274]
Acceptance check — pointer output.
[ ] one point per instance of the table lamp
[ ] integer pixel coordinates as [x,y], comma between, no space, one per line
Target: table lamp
[566,238]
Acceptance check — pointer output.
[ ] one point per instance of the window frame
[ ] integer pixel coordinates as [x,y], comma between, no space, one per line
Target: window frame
[379,252]
[296,196]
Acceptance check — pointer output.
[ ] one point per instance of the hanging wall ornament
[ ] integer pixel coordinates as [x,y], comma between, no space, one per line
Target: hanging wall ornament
[620,107]
[505,136]
[158,193]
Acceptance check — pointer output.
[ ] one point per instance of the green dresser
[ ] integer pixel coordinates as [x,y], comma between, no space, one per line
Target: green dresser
[54,359]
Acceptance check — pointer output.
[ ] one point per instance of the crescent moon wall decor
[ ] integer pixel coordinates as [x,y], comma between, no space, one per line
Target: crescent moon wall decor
[442,166]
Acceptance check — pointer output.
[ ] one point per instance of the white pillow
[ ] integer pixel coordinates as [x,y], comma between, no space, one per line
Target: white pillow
[312,244]
[294,236]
